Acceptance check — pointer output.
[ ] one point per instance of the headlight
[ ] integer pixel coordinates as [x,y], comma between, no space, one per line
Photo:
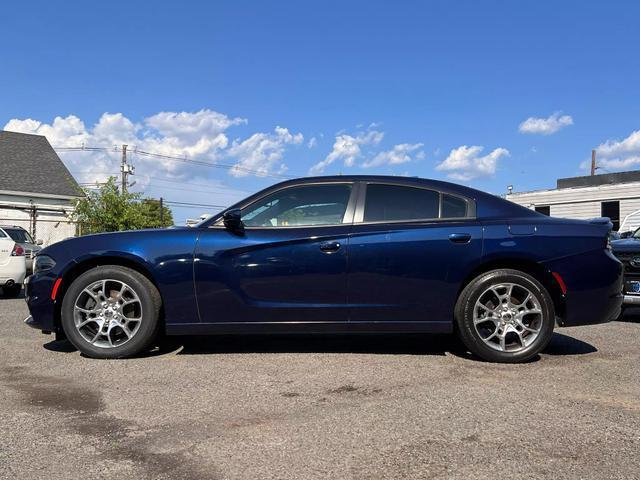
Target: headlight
[42,263]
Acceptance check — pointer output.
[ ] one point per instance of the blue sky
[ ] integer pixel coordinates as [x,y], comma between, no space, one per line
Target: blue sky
[435,88]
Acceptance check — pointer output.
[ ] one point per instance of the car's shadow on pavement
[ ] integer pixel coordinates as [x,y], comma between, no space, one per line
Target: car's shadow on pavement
[631,315]
[400,344]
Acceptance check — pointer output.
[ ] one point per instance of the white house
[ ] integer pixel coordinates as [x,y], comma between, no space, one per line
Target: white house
[613,195]
[37,192]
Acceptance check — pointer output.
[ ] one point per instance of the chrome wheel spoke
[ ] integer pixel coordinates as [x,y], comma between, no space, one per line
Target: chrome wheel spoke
[108,313]
[506,307]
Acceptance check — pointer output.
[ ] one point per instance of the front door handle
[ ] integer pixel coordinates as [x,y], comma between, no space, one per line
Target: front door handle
[330,247]
[460,237]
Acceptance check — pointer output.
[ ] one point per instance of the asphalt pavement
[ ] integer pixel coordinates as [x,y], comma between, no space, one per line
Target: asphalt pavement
[329,407]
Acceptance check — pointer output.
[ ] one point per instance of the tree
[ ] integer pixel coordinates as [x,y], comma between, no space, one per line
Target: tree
[150,210]
[109,210]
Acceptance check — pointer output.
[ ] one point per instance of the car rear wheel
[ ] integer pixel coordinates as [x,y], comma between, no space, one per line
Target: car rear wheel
[505,316]
[12,291]
[111,312]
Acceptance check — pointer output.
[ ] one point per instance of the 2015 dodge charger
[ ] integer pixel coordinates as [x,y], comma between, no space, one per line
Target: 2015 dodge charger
[336,254]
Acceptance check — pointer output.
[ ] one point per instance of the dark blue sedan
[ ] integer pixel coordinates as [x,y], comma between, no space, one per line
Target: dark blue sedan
[336,254]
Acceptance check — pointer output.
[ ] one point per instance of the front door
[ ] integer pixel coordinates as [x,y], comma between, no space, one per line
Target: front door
[289,264]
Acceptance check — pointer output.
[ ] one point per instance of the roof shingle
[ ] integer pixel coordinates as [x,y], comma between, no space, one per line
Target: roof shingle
[28,163]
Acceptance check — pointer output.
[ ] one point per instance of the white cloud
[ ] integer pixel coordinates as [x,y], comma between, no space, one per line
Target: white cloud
[191,126]
[617,154]
[401,153]
[545,126]
[312,142]
[348,149]
[195,135]
[262,152]
[465,163]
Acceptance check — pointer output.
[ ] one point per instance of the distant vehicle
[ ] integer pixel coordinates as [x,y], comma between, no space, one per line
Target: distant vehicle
[12,266]
[627,249]
[630,223]
[23,238]
[336,254]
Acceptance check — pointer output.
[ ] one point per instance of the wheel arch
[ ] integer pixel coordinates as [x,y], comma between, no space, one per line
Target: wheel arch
[86,264]
[535,269]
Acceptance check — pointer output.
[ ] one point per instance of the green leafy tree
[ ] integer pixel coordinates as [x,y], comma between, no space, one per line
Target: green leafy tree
[152,217]
[109,210]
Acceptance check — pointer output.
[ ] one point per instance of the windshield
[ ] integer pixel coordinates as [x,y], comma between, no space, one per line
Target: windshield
[636,234]
[19,235]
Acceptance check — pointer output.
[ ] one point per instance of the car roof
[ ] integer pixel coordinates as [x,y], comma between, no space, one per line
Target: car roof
[488,205]
[399,180]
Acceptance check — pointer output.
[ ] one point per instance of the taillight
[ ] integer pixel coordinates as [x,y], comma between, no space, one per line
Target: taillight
[18,251]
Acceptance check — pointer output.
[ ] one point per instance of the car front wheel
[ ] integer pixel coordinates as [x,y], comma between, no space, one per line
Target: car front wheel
[111,312]
[505,316]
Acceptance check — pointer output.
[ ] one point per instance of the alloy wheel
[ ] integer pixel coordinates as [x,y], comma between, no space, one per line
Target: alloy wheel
[508,317]
[108,313]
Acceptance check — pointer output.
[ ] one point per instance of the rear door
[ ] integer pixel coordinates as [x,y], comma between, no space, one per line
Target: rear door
[408,251]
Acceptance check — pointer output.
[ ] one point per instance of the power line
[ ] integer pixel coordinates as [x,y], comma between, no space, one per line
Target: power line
[183,159]
[150,185]
[176,203]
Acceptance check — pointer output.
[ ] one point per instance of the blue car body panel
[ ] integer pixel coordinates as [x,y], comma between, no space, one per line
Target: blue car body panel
[398,276]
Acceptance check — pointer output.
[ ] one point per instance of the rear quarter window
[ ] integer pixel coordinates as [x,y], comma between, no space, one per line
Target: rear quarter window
[454,207]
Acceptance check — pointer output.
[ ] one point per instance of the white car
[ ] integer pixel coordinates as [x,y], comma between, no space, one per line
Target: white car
[13,266]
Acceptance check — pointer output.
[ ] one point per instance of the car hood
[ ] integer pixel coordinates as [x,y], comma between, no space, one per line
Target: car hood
[626,245]
[108,240]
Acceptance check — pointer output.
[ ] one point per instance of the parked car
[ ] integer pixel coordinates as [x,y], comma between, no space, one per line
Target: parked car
[336,254]
[12,266]
[627,249]
[23,238]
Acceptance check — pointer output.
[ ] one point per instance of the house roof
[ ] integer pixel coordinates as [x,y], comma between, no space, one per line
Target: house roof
[28,164]
[601,179]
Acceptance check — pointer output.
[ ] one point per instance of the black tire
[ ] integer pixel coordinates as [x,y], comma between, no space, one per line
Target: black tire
[150,301]
[464,316]
[13,291]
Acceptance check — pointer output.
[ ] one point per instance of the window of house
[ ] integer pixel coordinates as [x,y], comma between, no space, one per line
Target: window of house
[611,210]
[543,209]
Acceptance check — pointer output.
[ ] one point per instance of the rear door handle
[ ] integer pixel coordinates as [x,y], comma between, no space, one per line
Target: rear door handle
[330,247]
[460,237]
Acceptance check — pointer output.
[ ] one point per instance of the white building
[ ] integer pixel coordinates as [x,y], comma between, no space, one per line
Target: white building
[613,195]
[37,192]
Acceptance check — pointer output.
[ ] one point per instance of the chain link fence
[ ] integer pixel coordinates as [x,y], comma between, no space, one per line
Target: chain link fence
[43,223]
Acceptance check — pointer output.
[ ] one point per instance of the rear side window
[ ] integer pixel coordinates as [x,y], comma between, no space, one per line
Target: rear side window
[19,235]
[386,203]
[453,207]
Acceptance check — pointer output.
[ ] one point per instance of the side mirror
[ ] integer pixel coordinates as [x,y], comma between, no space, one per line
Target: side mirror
[39,242]
[233,220]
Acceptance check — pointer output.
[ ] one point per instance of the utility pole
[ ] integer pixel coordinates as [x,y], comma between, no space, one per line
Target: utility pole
[124,170]
[161,212]
[593,163]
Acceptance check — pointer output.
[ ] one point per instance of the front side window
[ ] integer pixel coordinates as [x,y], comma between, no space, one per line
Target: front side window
[299,206]
[387,203]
